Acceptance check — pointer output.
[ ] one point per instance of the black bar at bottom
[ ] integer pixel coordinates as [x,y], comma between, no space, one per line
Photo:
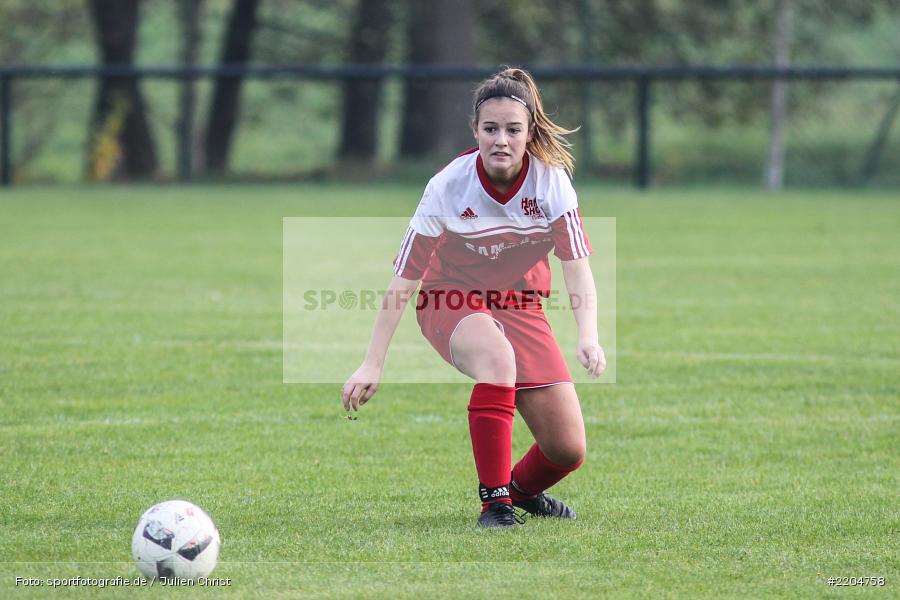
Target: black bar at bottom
[5,131]
[642,159]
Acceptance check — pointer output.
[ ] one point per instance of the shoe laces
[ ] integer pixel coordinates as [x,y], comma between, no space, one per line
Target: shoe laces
[508,510]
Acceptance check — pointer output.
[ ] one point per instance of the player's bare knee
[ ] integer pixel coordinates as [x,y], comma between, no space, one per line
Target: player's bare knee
[499,365]
[494,363]
[481,351]
[566,453]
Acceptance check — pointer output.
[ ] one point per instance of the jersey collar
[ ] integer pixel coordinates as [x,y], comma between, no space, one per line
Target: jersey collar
[493,192]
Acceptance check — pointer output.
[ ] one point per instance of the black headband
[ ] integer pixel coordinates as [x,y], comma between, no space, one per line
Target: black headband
[498,95]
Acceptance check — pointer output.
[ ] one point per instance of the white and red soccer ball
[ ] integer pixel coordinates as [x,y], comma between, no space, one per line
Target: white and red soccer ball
[175,539]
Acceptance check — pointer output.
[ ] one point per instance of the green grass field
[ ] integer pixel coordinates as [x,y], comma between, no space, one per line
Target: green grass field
[749,447]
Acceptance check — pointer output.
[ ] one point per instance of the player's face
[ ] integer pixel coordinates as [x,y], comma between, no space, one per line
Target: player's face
[503,131]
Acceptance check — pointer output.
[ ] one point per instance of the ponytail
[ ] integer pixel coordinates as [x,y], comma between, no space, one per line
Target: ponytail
[548,141]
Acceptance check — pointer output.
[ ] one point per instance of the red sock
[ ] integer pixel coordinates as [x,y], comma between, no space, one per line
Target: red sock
[535,473]
[491,412]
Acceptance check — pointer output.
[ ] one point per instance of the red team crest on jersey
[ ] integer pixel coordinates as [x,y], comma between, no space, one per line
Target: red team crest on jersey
[531,209]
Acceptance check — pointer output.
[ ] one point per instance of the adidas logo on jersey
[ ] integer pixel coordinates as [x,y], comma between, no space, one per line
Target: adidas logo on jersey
[469,213]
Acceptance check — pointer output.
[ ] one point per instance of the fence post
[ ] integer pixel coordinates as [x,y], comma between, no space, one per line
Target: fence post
[5,131]
[185,133]
[587,153]
[642,159]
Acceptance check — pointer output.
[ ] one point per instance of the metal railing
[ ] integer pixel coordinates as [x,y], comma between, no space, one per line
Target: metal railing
[643,78]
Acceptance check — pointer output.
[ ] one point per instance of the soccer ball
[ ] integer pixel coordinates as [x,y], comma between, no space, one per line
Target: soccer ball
[175,539]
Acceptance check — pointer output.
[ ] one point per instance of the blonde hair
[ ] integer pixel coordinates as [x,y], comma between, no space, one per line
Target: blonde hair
[548,141]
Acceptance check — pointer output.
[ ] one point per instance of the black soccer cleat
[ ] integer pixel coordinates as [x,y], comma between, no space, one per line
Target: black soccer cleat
[499,515]
[545,505]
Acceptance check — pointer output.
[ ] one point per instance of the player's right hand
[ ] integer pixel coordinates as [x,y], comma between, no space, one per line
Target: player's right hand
[361,386]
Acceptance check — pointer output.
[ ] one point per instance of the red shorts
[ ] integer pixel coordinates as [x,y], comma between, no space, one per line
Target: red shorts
[539,361]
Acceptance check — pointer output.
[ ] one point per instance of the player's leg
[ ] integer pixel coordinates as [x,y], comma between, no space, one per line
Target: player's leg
[547,401]
[479,349]
[553,414]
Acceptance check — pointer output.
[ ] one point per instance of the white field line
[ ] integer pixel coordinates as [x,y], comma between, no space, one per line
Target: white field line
[269,344]
[425,420]
[764,357]
[751,420]
[319,346]
[273,344]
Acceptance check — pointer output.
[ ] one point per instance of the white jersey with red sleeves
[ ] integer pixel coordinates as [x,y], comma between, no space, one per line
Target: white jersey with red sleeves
[468,235]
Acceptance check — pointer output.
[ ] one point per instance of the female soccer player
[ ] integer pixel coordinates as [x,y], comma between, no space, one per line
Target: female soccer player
[479,245]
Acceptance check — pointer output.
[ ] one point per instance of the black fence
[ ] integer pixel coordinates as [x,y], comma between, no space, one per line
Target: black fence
[642,78]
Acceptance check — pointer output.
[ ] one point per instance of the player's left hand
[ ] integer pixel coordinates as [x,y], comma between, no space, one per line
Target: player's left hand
[361,386]
[591,356]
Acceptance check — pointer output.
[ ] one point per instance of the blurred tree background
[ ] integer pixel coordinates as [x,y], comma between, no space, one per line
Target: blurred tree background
[703,131]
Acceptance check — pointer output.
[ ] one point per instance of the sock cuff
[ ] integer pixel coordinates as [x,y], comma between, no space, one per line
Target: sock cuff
[492,388]
[487,396]
[517,493]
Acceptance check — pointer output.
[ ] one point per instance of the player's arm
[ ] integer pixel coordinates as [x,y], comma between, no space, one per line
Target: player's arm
[396,298]
[363,384]
[583,298]
[572,247]
[409,267]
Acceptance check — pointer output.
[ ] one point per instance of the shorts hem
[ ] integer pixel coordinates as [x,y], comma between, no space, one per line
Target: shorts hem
[540,385]
[450,339]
